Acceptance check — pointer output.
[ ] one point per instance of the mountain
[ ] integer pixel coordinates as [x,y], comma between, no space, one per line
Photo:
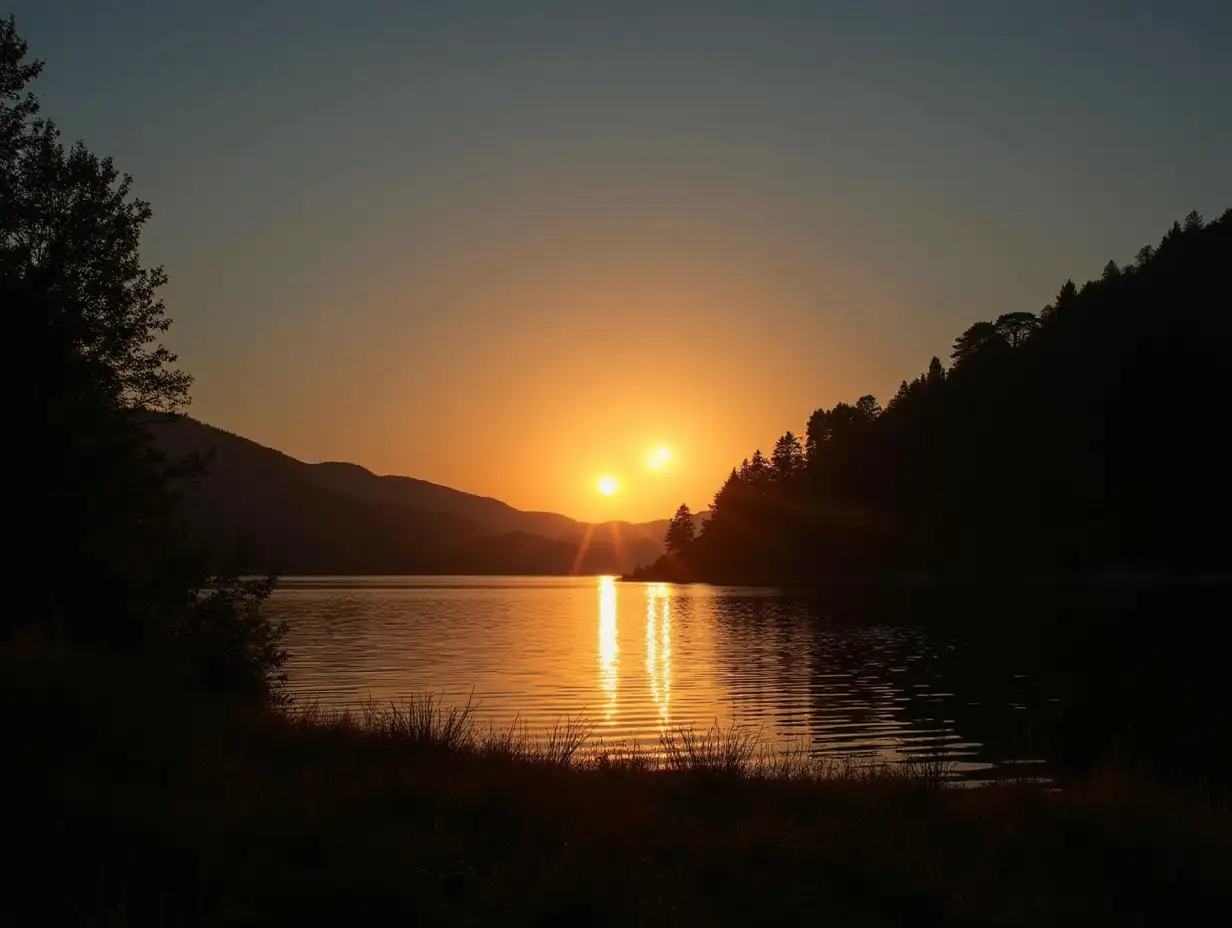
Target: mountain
[290,516]
[490,515]
[362,484]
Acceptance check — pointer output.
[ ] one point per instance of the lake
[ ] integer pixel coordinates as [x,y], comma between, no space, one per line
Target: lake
[638,658]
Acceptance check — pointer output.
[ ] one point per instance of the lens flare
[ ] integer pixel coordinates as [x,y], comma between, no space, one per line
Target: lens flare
[659,459]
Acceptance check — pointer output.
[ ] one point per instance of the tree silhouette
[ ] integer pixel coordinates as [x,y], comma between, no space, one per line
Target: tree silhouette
[726,496]
[977,340]
[868,407]
[758,472]
[1101,413]
[816,434]
[787,459]
[680,531]
[1016,328]
[87,373]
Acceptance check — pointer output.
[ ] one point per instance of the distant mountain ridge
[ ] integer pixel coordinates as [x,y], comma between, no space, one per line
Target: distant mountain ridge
[362,483]
[290,516]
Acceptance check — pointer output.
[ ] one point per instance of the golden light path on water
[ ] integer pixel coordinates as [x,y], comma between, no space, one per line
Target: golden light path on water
[633,659]
[659,648]
[609,644]
[658,656]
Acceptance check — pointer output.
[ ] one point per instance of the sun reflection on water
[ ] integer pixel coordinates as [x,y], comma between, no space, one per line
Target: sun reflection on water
[609,645]
[659,648]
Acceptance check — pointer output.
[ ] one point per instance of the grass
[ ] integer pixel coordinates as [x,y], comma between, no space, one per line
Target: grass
[423,724]
[133,803]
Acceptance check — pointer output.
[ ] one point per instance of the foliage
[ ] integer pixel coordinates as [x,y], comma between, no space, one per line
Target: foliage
[102,557]
[69,237]
[680,530]
[230,646]
[787,458]
[1080,440]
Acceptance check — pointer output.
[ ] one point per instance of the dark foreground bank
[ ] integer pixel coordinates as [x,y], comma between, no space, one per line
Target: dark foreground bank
[135,803]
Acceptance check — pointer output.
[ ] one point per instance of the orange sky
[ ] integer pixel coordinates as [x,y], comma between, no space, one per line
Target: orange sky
[563,356]
[509,247]
[523,358]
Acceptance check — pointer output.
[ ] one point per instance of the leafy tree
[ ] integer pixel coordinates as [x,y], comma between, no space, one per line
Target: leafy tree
[868,407]
[101,547]
[1016,328]
[680,531]
[978,339]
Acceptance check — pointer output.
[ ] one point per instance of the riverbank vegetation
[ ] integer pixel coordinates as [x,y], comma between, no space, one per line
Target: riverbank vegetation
[141,803]
[1077,442]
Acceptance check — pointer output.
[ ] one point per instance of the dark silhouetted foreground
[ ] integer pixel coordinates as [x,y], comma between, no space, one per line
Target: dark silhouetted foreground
[147,806]
[103,561]
[1084,440]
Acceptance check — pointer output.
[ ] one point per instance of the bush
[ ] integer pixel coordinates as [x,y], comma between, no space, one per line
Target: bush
[229,646]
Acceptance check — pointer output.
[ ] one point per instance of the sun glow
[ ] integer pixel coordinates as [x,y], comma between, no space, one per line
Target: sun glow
[607,485]
[658,459]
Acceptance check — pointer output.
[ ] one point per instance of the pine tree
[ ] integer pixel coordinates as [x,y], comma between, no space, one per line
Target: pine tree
[788,456]
[680,531]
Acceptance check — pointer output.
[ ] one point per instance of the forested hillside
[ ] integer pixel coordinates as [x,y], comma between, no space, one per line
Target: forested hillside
[1086,437]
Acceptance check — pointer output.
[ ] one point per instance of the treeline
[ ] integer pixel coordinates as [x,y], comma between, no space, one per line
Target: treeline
[1087,437]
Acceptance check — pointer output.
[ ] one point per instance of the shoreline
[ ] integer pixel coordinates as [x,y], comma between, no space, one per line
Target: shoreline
[186,809]
[1090,581]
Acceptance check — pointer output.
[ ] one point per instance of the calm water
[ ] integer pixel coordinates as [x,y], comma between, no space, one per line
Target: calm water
[638,658]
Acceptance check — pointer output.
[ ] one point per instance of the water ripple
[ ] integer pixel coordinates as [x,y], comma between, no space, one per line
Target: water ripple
[634,658]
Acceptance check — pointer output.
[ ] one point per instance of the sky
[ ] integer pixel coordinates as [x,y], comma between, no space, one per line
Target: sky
[513,247]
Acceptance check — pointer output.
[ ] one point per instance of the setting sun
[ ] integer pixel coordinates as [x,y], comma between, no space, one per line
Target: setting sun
[658,458]
[607,485]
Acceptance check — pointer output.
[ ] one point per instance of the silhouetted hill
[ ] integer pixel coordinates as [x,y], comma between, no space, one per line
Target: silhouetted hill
[294,517]
[491,515]
[362,484]
[1088,438]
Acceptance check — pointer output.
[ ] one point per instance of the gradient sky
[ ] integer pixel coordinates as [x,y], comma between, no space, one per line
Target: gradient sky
[511,246]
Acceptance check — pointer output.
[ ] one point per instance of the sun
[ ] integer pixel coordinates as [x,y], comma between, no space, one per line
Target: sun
[608,485]
[658,459]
